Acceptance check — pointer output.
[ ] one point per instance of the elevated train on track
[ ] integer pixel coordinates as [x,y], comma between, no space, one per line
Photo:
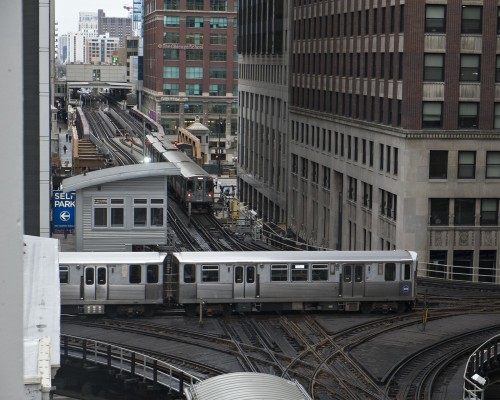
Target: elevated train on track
[223,282]
[194,187]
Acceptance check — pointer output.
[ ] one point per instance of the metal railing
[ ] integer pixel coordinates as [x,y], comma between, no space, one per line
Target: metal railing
[126,361]
[484,360]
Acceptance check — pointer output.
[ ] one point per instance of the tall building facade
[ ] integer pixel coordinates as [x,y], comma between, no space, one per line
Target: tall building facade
[100,49]
[190,66]
[264,80]
[88,24]
[115,26]
[393,127]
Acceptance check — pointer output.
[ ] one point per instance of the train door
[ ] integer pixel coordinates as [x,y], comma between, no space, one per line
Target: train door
[353,280]
[244,282]
[95,280]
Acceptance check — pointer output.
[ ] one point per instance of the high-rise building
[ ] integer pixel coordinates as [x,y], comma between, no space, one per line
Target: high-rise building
[88,24]
[116,26]
[100,49]
[190,66]
[392,126]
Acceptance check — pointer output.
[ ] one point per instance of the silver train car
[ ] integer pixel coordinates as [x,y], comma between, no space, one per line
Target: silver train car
[194,187]
[223,282]
[111,283]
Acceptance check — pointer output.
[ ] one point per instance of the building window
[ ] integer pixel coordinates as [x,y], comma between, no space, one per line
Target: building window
[170,89]
[217,89]
[194,38]
[193,89]
[367,195]
[218,38]
[464,211]
[497,70]
[193,72]
[472,19]
[218,55]
[169,20]
[434,67]
[435,18]
[470,67]
[353,189]
[493,164]
[194,55]
[194,4]
[326,177]
[170,54]
[170,37]
[140,212]
[171,4]
[194,22]
[468,115]
[498,20]
[305,165]
[171,72]
[489,212]
[440,211]
[218,22]
[295,164]
[218,5]
[487,263]
[466,164]
[497,116]
[432,115]
[438,164]
[117,213]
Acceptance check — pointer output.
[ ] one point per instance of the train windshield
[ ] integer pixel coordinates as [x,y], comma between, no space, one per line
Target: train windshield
[209,186]
[190,186]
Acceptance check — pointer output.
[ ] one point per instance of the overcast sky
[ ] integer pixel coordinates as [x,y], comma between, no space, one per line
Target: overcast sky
[67,11]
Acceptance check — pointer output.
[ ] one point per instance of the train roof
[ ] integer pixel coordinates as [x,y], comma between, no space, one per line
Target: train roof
[246,385]
[188,167]
[211,257]
[110,257]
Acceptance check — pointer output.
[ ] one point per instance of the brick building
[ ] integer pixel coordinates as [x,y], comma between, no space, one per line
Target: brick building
[190,66]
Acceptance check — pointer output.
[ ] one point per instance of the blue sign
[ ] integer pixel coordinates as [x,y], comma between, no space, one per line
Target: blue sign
[63,210]
[406,289]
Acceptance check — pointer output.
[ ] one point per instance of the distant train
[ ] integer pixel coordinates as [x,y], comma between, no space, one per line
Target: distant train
[150,124]
[223,282]
[194,187]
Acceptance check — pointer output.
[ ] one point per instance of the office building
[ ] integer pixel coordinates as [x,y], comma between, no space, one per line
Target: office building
[392,126]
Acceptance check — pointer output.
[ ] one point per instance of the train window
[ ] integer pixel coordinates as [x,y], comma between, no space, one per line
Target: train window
[347,273]
[134,274]
[210,273]
[279,272]
[199,185]
[89,276]
[189,275]
[140,201]
[152,273]
[190,186]
[238,275]
[319,272]
[390,272]
[209,186]
[250,274]
[299,272]
[63,274]
[358,273]
[406,272]
[101,276]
